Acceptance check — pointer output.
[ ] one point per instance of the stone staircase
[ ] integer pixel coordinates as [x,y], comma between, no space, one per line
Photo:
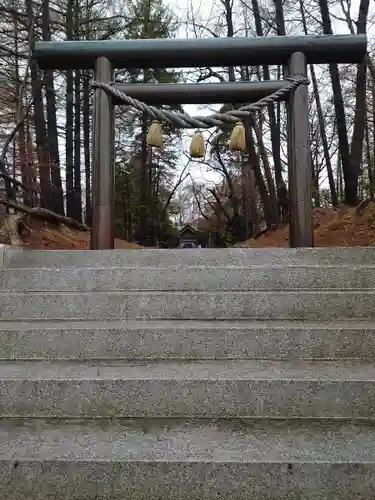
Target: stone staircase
[187,375]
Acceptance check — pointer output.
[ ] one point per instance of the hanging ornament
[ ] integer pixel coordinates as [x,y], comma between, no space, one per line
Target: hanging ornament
[237,141]
[197,145]
[155,135]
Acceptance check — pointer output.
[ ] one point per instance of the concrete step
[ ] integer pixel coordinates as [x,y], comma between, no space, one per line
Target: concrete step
[259,277]
[301,305]
[194,460]
[223,389]
[237,257]
[187,339]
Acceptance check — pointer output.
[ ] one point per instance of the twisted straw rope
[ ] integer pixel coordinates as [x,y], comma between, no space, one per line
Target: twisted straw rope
[184,120]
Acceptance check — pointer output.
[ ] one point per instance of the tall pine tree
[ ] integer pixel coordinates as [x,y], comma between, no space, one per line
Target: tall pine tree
[144,176]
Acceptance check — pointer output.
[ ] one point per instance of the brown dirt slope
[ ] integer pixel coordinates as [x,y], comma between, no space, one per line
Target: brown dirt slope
[332,228]
[342,227]
[43,236]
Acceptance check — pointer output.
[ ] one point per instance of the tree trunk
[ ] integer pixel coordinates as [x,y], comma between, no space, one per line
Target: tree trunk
[26,181]
[144,187]
[31,166]
[350,185]
[251,214]
[77,146]
[279,16]
[86,142]
[359,118]
[245,203]
[373,126]
[228,5]
[340,187]
[274,221]
[327,157]
[274,128]
[21,136]
[40,132]
[369,162]
[77,127]
[254,162]
[69,129]
[57,195]
[373,134]
[322,129]
[315,181]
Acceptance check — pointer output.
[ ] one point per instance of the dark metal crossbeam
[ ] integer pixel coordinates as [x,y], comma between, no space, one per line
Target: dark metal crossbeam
[199,93]
[200,52]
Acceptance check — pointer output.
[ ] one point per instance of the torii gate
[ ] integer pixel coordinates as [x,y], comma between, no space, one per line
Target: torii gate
[294,52]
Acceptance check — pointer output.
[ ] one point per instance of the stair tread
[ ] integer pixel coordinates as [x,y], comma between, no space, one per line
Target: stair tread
[184,324]
[193,339]
[189,278]
[302,305]
[186,441]
[190,266]
[315,370]
[21,258]
[213,293]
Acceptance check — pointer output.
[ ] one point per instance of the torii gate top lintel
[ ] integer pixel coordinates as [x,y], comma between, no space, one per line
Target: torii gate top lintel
[195,52]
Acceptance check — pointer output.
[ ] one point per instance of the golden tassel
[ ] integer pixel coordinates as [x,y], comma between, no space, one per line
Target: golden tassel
[197,145]
[155,135]
[237,141]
